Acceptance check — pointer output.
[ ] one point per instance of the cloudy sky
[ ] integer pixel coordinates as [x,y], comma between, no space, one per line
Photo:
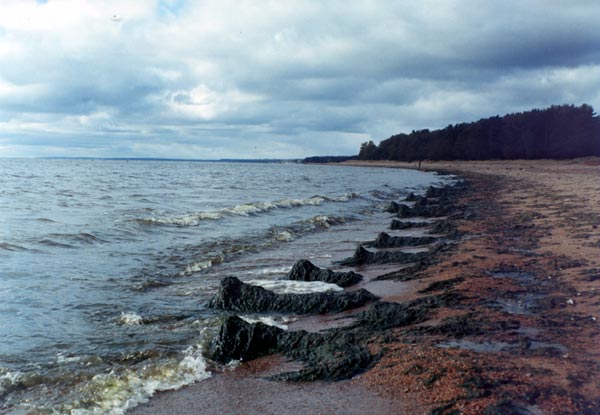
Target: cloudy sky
[281,78]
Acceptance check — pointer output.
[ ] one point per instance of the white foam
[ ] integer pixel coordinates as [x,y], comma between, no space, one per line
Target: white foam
[270,271]
[284,236]
[8,378]
[196,267]
[114,393]
[321,220]
[61,358]
[295,287]
[345,197]
[130,319]
[269,321]
[320,256]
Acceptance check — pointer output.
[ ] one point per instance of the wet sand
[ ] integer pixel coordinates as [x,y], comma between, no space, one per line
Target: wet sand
[528,264]
[245,390]
[530,259]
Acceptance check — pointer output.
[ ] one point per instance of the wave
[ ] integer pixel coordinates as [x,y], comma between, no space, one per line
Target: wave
[117,392]
[197,267]
[11,247]
[52,243]
[70,240]
[201,258]
[82,237]
[247,209]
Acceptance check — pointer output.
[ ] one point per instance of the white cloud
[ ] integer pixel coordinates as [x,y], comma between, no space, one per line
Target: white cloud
[291,78]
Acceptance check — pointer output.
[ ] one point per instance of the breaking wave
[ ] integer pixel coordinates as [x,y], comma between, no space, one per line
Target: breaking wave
[130,319]
[247,209]
[115,393]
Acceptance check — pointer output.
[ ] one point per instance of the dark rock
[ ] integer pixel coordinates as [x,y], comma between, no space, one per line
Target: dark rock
[403,211]
[508,407]
[237,296]
[384,315]
[304,270]
[442,285]
[239,340]
[411,197]
[392,207]
[363,256]
[399,224]
[422,201]
[431,210]
[470,324]
[384,240]
[444,227]
[435,191]
[334,355]
[407,273]
[446,299]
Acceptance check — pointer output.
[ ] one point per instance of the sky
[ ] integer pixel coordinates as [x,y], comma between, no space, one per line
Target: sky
[278,78]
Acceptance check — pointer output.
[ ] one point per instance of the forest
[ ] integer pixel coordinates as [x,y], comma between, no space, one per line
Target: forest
[557,132]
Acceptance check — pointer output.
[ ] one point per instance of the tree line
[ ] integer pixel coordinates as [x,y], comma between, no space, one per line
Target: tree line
[557,132]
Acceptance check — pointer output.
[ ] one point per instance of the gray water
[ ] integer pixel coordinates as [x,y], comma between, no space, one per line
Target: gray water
[106,265]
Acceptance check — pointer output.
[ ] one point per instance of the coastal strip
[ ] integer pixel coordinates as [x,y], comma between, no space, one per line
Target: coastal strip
[502,319]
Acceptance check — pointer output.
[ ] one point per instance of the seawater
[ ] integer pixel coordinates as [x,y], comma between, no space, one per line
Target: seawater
[106,264]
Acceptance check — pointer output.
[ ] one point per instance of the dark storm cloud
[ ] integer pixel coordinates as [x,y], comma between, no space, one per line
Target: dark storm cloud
[290,79]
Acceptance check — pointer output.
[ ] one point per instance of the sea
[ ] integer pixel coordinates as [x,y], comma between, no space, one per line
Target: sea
[106,266]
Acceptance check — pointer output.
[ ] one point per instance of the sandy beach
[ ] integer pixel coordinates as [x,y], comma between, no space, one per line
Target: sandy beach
[522,338]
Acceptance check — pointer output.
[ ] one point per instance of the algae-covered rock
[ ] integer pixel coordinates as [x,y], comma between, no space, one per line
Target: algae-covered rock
[235,295]
[304,270]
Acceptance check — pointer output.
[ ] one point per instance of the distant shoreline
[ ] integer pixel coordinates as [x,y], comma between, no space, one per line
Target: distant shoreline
[173,159]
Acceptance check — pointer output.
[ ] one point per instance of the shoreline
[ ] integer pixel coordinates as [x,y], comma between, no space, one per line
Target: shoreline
[532,338]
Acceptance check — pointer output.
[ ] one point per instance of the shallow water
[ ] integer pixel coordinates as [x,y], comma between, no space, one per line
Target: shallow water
[106,265]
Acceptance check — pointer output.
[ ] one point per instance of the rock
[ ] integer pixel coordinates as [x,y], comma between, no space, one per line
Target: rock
[239,340]
[384,315]
[431,210]
[392,207]
[304,270]
[235,295]
[422,201]
[450,299]
[363,256]
[403,211]
[399,224]
[435,191]
[384,240]
[444,227]
[333,355]
[442,285]
[508,407]
[469,325]
[411,197]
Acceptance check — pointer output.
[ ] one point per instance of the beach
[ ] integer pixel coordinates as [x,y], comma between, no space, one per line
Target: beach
[526,267]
